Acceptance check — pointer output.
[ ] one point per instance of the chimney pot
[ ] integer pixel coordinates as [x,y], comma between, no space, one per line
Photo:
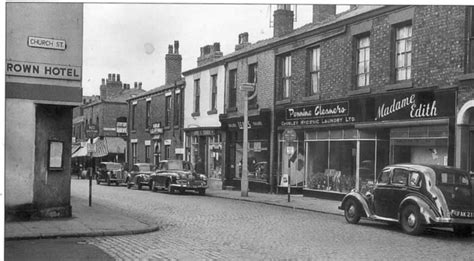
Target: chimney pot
[176,47]
[118,77]
[217,47]
[170,49]
[103,81]
[110,77]
[135,85]
[113,77]
[140,85]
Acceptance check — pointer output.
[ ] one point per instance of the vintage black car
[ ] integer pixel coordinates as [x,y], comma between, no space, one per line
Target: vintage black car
[110,172]
[139,175]
[416,196]
[178,175]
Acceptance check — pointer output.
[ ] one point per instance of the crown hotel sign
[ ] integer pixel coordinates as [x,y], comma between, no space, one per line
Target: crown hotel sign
[43,70]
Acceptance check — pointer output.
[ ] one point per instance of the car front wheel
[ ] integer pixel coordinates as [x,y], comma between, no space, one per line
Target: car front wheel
[352,211]
[411,221]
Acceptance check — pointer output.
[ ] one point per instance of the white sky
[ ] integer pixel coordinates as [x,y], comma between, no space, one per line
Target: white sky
[115,36]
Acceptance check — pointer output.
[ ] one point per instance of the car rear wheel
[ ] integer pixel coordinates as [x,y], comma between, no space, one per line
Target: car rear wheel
[129,185]
[462,230]
[411,221]
[352,211]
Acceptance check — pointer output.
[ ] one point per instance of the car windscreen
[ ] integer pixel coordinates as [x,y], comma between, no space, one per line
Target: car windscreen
[452,177]
[145,167]
[112,166]
[176,165]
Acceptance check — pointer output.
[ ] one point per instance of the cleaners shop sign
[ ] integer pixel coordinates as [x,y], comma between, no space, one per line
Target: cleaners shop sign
[43,70]
[319,114]
[421,105]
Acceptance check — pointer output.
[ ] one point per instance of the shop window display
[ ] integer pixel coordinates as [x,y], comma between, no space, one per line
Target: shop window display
[215,158]
[294,164]
[332,160]
[257,161]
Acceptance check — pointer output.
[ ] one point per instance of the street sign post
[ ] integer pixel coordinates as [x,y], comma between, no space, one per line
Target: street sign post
[92,131]
[244,182]
[289,135]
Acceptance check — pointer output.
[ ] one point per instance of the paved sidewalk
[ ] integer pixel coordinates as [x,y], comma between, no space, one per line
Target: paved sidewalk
[86,221]
[296,201]
[103,221]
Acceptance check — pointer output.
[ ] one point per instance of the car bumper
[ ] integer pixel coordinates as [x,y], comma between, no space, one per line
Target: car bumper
[188,186]
[447,221]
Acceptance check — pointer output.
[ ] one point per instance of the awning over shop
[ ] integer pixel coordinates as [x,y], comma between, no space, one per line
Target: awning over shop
[79,150]
[116,145]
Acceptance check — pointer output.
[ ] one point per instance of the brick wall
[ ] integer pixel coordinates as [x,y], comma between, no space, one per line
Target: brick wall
[437,55]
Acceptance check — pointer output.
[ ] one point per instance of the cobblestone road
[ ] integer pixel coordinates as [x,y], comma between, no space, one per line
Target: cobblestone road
[200,227]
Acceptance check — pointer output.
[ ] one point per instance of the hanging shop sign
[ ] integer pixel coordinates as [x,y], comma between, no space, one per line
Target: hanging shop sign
[43,70]
[121,127]
[156,128]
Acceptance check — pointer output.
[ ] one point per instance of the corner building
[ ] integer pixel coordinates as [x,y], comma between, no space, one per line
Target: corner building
[42,85]
[372,86]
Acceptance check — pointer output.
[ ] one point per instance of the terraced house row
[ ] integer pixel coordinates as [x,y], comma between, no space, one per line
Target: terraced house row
[364,88]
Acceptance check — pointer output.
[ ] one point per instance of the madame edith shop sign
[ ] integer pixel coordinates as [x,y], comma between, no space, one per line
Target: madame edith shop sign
[401,106]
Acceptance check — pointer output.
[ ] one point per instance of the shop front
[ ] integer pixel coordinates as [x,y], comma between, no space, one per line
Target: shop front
[342,145]
[259,130]
[204,146]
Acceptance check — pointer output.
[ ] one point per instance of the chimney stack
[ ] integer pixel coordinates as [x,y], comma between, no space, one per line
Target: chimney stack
[243,41]
[282,20]
[173,64]
[209,53]
[140,85]
[323,12]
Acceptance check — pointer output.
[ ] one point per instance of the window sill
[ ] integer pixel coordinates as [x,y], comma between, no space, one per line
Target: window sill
[195,114]
[364,90]
[465,77]
[167,128]
[398,86]
[312,97]
[284,101]
[213,111]
[253,107]
[232,109]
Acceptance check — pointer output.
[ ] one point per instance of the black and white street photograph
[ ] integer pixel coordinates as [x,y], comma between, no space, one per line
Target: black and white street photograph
[225,130]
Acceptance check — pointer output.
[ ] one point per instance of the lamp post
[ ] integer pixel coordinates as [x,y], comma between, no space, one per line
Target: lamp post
[244,183]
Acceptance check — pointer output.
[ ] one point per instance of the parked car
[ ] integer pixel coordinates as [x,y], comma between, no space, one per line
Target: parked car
[110,172]
[416,196]
[140,175]
[178,175]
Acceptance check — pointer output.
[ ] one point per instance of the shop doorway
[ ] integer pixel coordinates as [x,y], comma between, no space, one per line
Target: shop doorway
[471,149]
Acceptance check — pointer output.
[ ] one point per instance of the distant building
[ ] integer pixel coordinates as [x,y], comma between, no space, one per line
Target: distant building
[156,117]
[43,84]
[109,112]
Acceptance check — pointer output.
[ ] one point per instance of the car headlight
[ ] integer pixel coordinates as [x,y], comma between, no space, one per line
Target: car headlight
[203,177]
[109,172]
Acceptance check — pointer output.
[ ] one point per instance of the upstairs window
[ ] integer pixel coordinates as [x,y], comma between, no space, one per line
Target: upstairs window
[315,62]
[233,88]
[148,115]
[134,109]
[363,61]
[470,67]
[252,78]
[285,77]
[403,35]
[214,92]
[177,108]
[197,95]
[168,110]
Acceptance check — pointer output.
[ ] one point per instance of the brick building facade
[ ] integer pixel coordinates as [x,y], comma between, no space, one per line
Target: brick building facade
[156,117]
[109,112]
[373,86]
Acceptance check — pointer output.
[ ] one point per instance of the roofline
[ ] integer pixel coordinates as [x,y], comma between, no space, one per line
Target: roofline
[278,41]
[158,89]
